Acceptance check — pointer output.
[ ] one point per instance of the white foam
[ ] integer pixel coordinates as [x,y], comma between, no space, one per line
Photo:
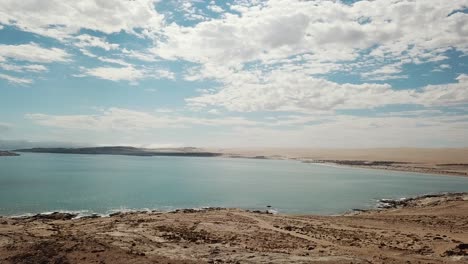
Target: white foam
[78,213]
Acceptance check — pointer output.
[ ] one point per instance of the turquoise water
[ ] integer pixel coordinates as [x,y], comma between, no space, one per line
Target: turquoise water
[33,183]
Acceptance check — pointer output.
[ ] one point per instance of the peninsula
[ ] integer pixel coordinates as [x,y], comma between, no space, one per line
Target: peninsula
[7,153]
[124,150]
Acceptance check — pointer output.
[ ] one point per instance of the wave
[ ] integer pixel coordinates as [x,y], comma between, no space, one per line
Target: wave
[78,214]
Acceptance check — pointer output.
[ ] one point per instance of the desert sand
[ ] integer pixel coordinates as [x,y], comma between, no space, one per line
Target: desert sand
[448,161]
[422,230]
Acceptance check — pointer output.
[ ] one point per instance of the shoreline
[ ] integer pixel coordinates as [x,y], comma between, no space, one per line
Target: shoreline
[455,163]
[428,229]
[380,204]
[430,171]
[433,171]
[441,169]
[368,164]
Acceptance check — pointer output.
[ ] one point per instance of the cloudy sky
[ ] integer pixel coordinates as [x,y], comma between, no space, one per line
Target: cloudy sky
[278,73]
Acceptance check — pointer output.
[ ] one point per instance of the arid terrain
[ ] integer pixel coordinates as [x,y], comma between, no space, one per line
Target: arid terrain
[422,230]
[446,161]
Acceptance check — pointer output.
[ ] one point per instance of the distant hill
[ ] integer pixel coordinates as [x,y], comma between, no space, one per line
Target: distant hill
[7,153]
[122,150]
[24,144]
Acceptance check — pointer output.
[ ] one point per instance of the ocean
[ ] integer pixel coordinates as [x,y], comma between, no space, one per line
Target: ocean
[86,184]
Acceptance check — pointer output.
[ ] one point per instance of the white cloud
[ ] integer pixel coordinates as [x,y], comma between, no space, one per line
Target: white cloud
[442,67]
[114,61]
[15,80]
[139,55]
[85,41]
[121,62]
[445,94]
[289,91]
[62,18]
[115,73]
[117,125]
[215,8]
[189,11]
[125,120]
[281,28]
[33,53]
[88,53]
[128,73]
[314,37]
[161,74]
[23,68]
[263,57]
[360,132]
[110,119]
[386,72]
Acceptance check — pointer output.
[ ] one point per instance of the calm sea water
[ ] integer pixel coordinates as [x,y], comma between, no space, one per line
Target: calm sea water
[33,183]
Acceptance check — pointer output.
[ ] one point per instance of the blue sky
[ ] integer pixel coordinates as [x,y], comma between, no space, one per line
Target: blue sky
[239,73]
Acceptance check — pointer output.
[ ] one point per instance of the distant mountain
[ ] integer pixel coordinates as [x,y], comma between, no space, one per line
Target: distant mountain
[7,153]
[23,144]
[123,150]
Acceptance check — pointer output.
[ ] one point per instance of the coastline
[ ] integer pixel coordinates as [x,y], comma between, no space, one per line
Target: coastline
[379,205]
[453,162]
[389,167]
[348,164]
[429,229]
[424,170]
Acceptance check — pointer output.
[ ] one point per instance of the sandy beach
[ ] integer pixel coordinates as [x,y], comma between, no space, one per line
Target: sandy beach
[422,230]
[444,161]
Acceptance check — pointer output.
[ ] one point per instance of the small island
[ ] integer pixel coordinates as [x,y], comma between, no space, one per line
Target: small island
[7,153]
[124,150]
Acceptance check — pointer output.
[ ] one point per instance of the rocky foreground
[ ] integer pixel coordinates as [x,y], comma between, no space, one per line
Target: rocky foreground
[431,229]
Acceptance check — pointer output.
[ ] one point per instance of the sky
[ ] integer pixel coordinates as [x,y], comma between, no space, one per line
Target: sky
[240,73]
